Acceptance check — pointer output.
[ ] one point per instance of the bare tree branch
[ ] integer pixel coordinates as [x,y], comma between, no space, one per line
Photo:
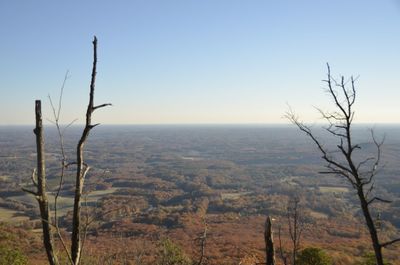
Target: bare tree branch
[378,199]
[102,106]
[386,244]
[31,192]
[60,132]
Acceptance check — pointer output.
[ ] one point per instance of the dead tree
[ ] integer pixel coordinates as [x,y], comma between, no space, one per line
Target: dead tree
[81,167]
[39,181]
[296,225]
[269,242]
[39,177]
[341,161]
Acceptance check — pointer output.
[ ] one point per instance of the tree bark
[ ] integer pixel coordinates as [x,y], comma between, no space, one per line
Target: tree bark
[41,186]
[82,168]
[269,243]
[371,227]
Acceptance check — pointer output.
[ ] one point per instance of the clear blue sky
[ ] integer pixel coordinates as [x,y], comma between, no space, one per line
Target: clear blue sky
[215,61]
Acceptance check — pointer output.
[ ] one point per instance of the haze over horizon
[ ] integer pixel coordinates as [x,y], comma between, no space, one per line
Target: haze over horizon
[190,62]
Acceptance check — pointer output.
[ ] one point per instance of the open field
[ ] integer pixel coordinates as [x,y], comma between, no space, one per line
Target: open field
[9,216]
[333,189]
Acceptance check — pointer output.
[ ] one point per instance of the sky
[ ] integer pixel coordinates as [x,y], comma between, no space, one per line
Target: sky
[195,62]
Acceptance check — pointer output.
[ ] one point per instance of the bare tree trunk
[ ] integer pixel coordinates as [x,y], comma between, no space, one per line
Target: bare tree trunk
[269,242]
[41,178]
[82,168]
[40,193]
[371,227]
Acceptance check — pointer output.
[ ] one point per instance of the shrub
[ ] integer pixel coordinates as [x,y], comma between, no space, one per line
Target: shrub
[11,256]
[171,254]
[313,256]
[369,259]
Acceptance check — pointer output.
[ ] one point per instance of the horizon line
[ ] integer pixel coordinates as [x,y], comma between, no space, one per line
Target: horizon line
[204,124]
